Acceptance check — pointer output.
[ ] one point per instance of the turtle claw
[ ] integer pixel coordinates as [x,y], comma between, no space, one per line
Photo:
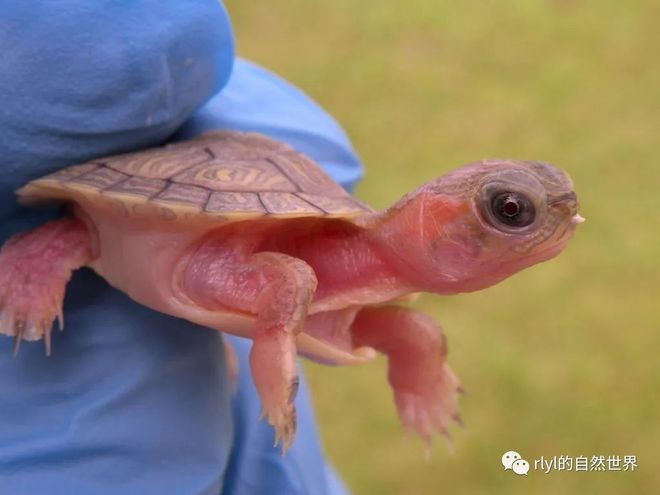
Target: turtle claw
[60,322]
[458,420]
[19,329]
[284,422]
[47,340]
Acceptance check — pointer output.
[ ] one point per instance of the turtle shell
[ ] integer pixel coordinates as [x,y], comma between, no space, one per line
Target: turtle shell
[219,176]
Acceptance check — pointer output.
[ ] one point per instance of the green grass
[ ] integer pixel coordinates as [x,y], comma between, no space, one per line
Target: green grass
[562,358]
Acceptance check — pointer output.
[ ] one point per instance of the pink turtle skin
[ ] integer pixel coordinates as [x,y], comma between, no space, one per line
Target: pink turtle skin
[325,288]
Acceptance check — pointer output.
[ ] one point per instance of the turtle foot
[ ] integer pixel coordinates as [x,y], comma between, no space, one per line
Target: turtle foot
[425,388]
[275,375]
[28,323]
[283,419]
[431,411]
[34,270]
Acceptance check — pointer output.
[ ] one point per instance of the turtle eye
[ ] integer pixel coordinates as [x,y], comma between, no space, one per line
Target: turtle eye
[512,209]
[512,201]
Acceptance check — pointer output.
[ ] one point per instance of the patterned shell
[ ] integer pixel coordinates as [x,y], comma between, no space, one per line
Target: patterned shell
[219,176]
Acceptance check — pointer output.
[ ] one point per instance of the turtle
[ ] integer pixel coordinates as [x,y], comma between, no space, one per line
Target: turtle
[241,233]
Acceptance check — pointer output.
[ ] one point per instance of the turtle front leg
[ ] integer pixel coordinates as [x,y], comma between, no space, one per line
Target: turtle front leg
[281,310]
[278,290]
[35,267]
[425,388]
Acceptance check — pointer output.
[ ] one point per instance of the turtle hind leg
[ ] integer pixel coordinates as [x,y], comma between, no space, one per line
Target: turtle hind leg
[35,267]
[425,388]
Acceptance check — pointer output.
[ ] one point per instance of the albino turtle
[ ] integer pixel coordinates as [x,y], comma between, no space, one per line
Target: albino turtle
[242,234]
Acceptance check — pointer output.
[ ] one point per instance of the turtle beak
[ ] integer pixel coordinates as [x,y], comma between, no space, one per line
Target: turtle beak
[577,219]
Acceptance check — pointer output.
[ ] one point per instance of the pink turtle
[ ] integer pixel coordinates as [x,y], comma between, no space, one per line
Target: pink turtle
[242,234]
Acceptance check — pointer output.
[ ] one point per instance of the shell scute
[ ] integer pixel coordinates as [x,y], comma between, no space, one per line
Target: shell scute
[70,173]
[288,204]
[184,194]
[161,163]
[304,173]
[138,186]
[236,204]
[100,178]
[245,175]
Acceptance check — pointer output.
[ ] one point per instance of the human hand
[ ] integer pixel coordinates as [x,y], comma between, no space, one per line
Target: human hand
[131,401]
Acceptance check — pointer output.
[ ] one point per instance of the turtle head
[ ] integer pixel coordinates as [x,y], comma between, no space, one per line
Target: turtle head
[480,224]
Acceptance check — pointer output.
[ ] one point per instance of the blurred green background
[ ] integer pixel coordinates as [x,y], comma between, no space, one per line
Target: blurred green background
[562,358]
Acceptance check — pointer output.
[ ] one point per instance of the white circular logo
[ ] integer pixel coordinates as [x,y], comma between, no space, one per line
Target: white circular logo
[521,466]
